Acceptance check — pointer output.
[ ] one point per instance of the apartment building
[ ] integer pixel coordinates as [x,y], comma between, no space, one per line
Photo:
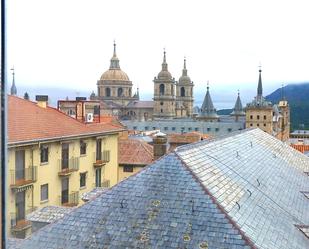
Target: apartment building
[53,159]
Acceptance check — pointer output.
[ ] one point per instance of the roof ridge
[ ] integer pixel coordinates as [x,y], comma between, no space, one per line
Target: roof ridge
[221,208]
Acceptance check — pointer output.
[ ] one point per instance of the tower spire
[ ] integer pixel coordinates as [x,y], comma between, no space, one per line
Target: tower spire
[13,87]
[114,49]
[164,64]
[260,87]
[184,70]
[114,60]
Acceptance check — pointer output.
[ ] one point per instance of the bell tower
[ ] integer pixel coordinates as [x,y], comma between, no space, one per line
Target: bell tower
[164,93]
[184,94]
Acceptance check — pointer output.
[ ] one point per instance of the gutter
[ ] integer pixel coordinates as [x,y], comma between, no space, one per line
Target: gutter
[61,138]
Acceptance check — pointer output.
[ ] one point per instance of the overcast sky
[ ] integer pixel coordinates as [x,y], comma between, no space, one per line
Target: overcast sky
[69,43]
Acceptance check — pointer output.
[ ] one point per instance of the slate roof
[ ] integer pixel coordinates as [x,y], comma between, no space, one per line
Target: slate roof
[49,214]
[27,122]
[257,180]
[141,104]
[239,191]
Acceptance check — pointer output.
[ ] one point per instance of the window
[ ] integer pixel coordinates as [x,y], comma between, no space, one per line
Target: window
[83,147]
[217,129]
[161,110]
[134,127]
[161,103]
[208,129]
[153,128]
[229,129]
[264,125]
[108,92]
[82,180]
[120,91]
[128,168]
[196,129]
[165,128]
[146,128]
[173,128]
[258,116]
[251,117]
[161,89]
[189,129]
[250,124]
[182,92]
[44,192]
[264,117]
[44,154]
[258,125]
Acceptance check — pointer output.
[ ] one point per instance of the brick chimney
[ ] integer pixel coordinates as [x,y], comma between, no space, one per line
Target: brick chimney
[42,100]
[159,145]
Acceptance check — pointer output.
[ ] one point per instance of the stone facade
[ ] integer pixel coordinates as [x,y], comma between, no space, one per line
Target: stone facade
[273,119]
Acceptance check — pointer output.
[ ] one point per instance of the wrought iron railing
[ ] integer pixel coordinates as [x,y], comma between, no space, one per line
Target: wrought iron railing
[67,165]
[104,184]
[102,157]
[19,220]
[71,199]
[24,176]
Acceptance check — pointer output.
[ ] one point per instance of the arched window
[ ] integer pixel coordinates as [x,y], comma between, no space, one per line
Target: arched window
[162,89]
[182,92]
[120,91]
[107,92]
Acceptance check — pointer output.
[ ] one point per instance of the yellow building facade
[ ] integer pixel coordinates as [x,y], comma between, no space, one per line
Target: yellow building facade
[47,169]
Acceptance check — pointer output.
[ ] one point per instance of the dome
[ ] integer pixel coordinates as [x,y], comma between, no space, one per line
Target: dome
[115,74]
[184,80]
[164,75]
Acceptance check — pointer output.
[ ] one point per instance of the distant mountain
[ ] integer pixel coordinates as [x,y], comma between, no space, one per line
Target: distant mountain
[298,97]
[54,94]
[225,111]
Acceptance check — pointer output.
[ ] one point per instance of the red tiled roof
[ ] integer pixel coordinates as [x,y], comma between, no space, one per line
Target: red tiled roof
[135,152]
[186,138]
[301,147]
[27,121]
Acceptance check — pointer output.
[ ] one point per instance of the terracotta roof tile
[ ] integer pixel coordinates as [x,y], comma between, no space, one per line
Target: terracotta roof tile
[135,152]
[301,147]
[27,121]
[186,138]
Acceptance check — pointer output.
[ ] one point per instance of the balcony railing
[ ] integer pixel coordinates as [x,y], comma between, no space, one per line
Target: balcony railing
[22,177]
[104,184]
[69,200]
[19,223]
[67,166]
[101,158]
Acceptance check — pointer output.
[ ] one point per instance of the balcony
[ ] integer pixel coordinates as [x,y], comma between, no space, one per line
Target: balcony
[101,159]
[104,184]
[22,179]
[67,166]
[18,223]
[69,200]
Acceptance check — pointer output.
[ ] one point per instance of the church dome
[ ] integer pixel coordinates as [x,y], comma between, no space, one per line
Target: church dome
[184,78]
[115,74]
[164,75]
